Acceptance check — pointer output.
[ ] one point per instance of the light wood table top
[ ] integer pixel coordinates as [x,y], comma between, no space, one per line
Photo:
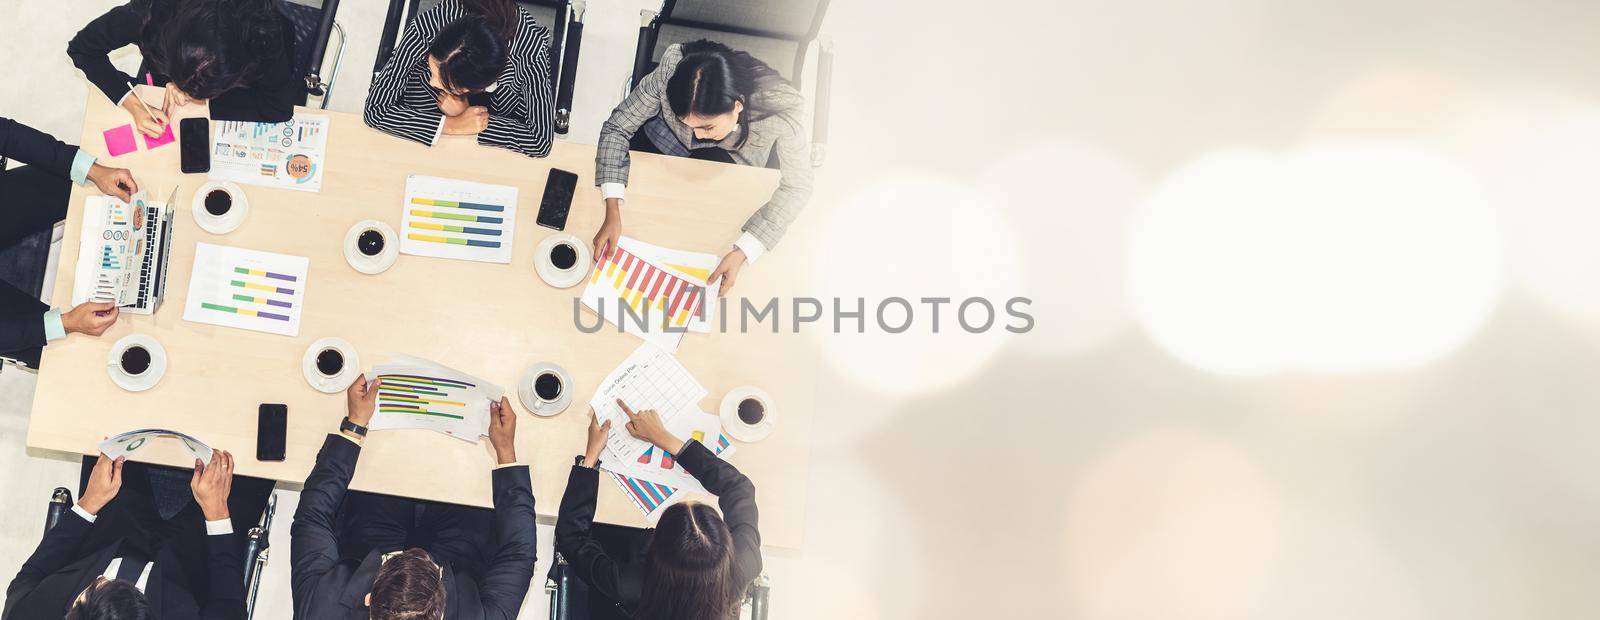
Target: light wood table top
[484,319]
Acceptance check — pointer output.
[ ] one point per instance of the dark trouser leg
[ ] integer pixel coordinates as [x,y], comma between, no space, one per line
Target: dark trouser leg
[460,535]
[34,200]
[369,521]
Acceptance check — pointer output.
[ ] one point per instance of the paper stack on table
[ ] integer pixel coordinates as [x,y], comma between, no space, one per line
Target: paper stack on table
[417,393]
[290,155]
[653,497]
[127,443]
[666,287]
[451,218]
[247,289]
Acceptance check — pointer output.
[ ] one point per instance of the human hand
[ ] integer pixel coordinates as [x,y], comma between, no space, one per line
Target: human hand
[145,120]
[471,121]
[175,99]
[104,482]
[114,182]
[605,239]
[361,399]
[211,484]
[90,317]
[728,271]
[597,439]
[452,105]
[503,431]
[647,425]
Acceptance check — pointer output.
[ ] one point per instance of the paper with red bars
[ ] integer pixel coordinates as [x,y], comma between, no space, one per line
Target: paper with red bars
[655,293]
[653,497]
[119,140]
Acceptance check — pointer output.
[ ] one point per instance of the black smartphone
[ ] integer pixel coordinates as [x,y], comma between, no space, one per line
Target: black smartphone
[557,199]
[194,144]
[272,430]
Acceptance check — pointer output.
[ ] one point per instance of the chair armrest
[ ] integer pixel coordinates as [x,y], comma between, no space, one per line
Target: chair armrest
[819,122]
[758,594]
[319,46]
[559,586]
[60,503]
[569,74]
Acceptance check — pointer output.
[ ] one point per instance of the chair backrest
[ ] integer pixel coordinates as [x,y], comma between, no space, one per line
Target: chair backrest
[775,31]
[306,19]
[777,53]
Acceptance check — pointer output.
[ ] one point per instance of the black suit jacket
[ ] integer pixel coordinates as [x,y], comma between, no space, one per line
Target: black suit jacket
[269,95]
[619,579]
[23,328]
[58,570]
[324,586]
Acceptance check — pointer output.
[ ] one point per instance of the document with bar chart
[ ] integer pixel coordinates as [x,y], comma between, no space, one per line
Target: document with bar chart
[290,155]
[450,218]
[665,287]
[247,289]
[419,394]
[651,378]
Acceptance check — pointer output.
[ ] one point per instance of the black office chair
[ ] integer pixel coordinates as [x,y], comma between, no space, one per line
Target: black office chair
[778,32]
[564,18]
[570,598]
[312,27]
[256,545]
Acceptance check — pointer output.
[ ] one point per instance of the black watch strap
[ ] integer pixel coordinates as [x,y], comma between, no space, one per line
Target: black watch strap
[578,460]
[358,429]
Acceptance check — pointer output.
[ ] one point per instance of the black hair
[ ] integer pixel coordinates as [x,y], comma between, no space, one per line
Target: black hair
[208,47]
[689,572]
[711,77]
[408,587]
[111,599]
[472,51]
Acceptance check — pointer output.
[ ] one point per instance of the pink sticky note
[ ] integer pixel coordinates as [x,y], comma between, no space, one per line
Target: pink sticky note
[165,137]
[119,140]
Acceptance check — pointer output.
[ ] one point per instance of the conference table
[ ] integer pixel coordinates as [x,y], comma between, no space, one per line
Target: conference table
[484,319]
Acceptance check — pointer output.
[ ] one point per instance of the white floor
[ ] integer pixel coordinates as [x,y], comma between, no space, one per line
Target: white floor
[53,103]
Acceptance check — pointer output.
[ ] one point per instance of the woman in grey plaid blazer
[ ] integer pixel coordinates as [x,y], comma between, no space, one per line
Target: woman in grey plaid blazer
[709,102]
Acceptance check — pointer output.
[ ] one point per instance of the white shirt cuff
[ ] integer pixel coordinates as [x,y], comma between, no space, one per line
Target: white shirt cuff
[83,513]
[220,527]
[505,465]
[612,189]
[753,248]
[53,329]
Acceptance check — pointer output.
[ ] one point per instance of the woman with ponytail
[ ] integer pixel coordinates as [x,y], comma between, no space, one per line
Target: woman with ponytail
[469,67]
[236,55]
[706,101]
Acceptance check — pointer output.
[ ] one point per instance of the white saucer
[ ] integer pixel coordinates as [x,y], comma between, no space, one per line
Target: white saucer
[371,264]
[556,277]
[531,401]
[152,376]
[229,221]
[336,383]
[736,427]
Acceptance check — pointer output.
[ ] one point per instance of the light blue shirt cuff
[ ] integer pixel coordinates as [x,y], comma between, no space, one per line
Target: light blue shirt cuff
[80,166]
[53,329]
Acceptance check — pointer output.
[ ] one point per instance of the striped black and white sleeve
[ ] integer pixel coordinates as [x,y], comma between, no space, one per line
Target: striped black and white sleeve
[389,108]
[529,126]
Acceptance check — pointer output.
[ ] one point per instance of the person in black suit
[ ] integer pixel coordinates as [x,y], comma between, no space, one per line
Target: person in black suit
[238,55]
[360,555]
[113,555]
[35,199]
[695,564]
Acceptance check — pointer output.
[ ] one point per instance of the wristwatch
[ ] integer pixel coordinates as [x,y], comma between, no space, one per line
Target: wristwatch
[347,425]
[578,460]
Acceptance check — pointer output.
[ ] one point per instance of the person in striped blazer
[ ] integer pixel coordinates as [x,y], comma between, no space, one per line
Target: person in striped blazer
[469,67]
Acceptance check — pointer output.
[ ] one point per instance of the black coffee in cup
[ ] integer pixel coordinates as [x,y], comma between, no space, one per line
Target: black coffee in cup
[547,386]
[135,360]
[330,362]
[370,242]
[563,256]
[218,202]
[751,411]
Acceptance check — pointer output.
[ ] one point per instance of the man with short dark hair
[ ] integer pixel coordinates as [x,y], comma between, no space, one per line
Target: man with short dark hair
[360,555]
[113,556]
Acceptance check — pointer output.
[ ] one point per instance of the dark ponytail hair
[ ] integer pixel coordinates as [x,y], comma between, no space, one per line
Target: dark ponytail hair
[208,47]
[472,51]
[711,77]
[689,572]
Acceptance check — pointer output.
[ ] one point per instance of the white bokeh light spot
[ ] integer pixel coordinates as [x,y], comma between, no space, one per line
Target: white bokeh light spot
[1334,258]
